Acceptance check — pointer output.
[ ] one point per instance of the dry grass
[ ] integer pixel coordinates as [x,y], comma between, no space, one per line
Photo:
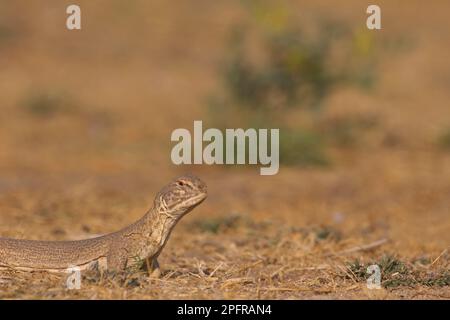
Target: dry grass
[260,261]
[89,159]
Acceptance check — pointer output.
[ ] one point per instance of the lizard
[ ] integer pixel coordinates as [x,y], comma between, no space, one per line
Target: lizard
[141,241]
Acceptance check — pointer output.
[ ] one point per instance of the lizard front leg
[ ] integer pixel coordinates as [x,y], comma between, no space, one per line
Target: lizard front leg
[153,267]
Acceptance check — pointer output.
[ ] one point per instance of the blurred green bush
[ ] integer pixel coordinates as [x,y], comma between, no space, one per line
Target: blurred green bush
[444,139]
[46,103]
[274,67]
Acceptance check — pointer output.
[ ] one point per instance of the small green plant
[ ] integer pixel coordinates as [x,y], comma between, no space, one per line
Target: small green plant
[393,271]
[302,147]
[7,33]
[346,131]
[327,233]
[396,273]
[215,225]
[137,265]
[358,269]
[438,280]
[46,104]
[318,233]
[444,140]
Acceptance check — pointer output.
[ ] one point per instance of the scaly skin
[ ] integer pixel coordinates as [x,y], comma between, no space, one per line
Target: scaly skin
[140,241]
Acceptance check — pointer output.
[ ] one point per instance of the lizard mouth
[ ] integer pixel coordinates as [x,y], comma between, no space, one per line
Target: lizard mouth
[199,198]
[195,200]
[191,203]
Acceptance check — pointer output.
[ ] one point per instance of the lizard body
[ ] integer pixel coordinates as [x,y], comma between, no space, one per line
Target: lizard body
[141,241]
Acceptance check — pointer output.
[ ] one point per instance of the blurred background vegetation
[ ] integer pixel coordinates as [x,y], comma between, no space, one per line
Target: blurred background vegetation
[277,67]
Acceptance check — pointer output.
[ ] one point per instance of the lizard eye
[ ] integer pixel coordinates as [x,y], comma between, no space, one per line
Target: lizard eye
[182,183]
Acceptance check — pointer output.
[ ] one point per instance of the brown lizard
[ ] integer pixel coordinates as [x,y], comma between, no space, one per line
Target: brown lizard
[141,241]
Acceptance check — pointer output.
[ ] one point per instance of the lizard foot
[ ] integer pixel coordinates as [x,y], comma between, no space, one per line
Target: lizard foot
[154,271]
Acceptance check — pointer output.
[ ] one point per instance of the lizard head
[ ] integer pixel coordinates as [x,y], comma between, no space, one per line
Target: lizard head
[181,196]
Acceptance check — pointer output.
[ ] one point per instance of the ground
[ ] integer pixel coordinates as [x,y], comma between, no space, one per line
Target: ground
[92,162]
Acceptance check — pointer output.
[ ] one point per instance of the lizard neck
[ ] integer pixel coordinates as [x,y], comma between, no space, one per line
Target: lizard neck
[156,228]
